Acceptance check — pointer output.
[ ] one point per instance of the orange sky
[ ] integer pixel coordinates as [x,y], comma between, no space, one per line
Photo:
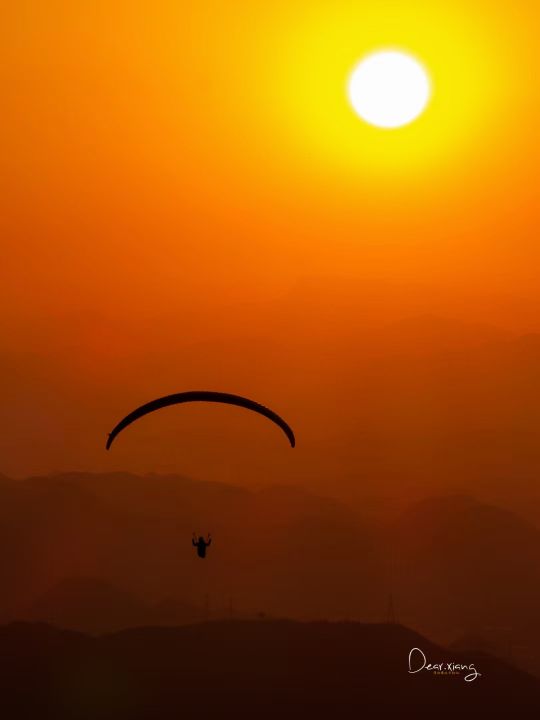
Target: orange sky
[187,199]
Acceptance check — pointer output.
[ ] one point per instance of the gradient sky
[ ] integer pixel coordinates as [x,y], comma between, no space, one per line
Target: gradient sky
[187,199]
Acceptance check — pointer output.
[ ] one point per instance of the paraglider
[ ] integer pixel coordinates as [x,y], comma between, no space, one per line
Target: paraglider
[201,544]
[201,396]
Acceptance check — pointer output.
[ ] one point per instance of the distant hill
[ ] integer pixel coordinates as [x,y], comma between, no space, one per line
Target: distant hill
[412,402]
[103,552]
[282,550]
[94,606]
[487,558]
[463,568]
[249,670]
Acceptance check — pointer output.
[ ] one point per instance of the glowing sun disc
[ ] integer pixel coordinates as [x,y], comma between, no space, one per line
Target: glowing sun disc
[389,89]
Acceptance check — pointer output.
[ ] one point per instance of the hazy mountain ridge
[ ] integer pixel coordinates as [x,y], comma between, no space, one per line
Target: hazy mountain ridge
[76,547]
[464,568]
[412,404]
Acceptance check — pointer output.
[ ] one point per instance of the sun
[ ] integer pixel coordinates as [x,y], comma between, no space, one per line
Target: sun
[389,89]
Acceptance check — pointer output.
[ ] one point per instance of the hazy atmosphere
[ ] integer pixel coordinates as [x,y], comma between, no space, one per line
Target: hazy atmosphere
[188,201]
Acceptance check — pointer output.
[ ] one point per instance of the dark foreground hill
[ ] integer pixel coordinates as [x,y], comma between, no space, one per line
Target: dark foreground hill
[267,669]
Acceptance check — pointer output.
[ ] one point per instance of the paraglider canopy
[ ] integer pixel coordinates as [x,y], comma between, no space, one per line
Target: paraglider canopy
[201,396]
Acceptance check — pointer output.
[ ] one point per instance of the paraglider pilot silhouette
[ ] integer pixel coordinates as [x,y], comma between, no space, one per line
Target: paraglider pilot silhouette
[201,544]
